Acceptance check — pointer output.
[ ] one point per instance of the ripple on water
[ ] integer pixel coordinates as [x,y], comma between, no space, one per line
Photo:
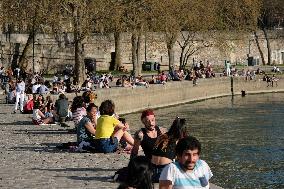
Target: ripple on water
[242,140]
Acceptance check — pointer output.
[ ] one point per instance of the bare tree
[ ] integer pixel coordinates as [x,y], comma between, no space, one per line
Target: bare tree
[27,16]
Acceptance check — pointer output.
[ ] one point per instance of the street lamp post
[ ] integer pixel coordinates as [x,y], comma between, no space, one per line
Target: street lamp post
[33,53]
[145,47]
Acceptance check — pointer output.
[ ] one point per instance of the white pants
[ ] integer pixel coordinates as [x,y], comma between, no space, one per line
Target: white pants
[228,70]
[19,98]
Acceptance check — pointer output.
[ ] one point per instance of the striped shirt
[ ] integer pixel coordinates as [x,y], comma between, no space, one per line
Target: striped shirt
[198,178]
[78,115]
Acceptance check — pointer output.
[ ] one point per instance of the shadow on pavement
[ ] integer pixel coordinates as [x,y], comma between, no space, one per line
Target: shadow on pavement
[45,132]
[44,147]
[74,169]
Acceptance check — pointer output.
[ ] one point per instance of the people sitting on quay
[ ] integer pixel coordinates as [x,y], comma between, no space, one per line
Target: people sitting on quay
[78,109]
[104,81]
[163,78]
[276,69]
[42,89]
[41,102]
[109,130]
[11,97]
[126,81]
[35,88]
[164,150]
[29,105]
[38,117]
[259,71]
[86,126]
[49,108]
[139,81]
[61,110]
[274,80]
[55,88]
[147,136]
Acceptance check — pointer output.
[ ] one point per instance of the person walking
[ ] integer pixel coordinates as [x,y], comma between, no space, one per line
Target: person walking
[20,95]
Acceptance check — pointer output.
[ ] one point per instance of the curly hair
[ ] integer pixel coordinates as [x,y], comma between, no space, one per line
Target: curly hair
[78,102]
[89,96]
[187,143]
[107,108]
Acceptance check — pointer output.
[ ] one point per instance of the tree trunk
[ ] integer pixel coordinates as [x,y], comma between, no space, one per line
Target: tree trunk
[268,46]
[139,69]
[171,55]
[79,68]
[134,40]
[117,47]
[181,59]
[259,49]
[170,40]
[23,58]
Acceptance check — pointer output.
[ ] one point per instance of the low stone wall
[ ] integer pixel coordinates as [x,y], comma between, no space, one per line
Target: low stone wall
[129,100]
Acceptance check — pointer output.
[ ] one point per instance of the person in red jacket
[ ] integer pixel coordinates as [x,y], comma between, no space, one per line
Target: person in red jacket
[29,105]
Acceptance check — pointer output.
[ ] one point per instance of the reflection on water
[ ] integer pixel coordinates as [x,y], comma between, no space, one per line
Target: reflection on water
[242,139]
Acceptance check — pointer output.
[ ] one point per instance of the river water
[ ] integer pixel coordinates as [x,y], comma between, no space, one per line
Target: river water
[242,138]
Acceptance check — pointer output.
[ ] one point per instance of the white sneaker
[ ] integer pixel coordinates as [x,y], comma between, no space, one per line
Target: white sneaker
[43,124]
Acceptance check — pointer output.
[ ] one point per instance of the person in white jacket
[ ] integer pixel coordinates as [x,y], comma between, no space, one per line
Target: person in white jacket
[20,95]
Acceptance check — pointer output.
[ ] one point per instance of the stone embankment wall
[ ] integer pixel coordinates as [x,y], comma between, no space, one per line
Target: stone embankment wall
[52,51]
[129,100]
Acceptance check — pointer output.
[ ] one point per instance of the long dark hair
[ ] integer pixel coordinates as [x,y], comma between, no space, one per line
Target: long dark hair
[178,130]
[139,174]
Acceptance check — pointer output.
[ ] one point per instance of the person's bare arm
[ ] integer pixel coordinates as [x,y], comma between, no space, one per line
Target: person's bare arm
[165,184]
[41,114]
[163,130]
[137,141]
[90,127]
[120,126]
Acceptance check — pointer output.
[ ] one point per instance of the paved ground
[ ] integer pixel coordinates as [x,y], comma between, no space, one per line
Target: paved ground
[29,158]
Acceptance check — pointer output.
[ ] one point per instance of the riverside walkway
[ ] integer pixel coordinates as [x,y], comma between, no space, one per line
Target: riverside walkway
[30,159]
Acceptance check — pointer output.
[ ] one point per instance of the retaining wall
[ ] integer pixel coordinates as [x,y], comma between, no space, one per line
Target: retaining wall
[129,100]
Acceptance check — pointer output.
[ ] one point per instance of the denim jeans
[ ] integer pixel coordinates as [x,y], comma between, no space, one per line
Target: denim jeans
[106,145]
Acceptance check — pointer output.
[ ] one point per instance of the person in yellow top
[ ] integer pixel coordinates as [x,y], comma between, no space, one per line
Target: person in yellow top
[110,130]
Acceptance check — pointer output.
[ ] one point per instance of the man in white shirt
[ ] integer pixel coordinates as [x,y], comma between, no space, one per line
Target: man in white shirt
[35,88]
[20,95]
[188,172]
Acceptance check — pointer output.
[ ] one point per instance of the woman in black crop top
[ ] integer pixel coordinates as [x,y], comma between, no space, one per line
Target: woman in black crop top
[147,136]
[164,149]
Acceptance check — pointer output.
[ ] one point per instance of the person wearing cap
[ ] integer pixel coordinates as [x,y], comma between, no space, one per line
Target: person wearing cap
[147,136]
[20,95]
